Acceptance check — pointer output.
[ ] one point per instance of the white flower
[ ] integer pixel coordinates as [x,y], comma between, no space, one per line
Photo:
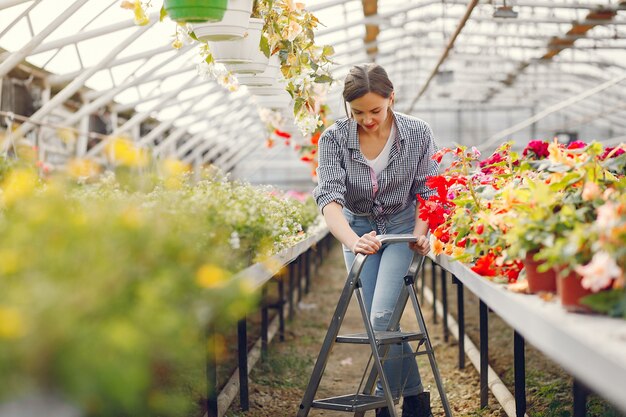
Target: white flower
[234,240]
[308,123]
[599,273]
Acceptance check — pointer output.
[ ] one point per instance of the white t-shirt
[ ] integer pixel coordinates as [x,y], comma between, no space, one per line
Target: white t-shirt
[380,162]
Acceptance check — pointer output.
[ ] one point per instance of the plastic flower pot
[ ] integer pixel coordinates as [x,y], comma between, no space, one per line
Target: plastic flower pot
[538,281]
[242,56]
[195,10]
[571,291]
[232,26]
[267,77]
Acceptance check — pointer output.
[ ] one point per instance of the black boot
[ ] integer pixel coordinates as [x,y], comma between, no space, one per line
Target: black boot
[382,412]
[417,405]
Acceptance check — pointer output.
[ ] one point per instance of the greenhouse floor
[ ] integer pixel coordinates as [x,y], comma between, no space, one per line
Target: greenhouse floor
[277,386]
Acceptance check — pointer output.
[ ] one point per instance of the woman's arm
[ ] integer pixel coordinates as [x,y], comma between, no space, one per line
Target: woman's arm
[339,227]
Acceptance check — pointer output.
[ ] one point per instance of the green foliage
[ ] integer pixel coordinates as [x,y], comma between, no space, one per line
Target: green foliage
[106,291]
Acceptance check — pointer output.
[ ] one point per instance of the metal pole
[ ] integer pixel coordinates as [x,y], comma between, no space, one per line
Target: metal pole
[460,308]
[484,355]
[444,299]
[211,374]
[242,350]
[580,393]
[519,359]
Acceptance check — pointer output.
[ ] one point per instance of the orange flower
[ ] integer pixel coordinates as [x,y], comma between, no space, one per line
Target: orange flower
[437,246]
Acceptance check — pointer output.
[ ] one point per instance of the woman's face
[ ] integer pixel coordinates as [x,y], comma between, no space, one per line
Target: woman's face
[371,111]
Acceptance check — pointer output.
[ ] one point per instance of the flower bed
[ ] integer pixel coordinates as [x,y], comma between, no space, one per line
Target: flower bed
[563,205]
[107,289]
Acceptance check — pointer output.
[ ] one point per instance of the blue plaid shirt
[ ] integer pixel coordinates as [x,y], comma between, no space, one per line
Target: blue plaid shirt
[345,177]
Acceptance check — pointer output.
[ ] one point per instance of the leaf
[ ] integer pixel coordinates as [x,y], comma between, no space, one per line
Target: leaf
[209,59]
[265,46]
[162,13]
[328,50]
[323,79]
[611,302]
[193,36]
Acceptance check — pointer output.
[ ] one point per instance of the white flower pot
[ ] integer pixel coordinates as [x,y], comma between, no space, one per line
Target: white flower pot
[276,102]
[267,77]
[242,55]
[233,25]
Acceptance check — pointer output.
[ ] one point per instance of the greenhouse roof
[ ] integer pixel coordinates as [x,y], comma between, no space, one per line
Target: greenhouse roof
[564,58]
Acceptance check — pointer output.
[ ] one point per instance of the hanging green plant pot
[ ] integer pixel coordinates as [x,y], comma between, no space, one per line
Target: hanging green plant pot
[195,10]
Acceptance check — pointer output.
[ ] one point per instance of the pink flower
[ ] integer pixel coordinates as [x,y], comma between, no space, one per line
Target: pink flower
[591,190]
[607,216]
[599,273]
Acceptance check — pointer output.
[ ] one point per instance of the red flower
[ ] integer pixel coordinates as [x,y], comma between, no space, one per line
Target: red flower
[437,156]
[282,134]
[577,144]
[485,265]
[431,212]
[315,138]
[608,150]
[536,149]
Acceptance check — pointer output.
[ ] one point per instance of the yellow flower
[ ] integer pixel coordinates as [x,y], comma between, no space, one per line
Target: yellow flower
[211,276]
[177,44]
[19,184]
[131,218]
[140,15]
[81,168]
[9,261]
[11,323]
[66,135]
[175,168]
[125,152]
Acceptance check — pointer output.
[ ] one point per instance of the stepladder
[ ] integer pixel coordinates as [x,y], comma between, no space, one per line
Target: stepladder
[379,342]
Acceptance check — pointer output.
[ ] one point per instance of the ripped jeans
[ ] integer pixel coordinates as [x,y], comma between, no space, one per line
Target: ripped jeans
[382,280]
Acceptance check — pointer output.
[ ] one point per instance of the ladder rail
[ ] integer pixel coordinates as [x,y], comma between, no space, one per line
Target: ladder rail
[331,335]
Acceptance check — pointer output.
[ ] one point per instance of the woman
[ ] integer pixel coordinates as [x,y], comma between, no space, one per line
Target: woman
[371,167]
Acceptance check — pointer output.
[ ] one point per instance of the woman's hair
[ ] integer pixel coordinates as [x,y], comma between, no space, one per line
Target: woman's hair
[366,78]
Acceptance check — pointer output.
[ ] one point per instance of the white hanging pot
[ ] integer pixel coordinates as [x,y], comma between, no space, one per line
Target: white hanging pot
[242,56]
[275,102]
[267,77]
[232,26]
[276,88]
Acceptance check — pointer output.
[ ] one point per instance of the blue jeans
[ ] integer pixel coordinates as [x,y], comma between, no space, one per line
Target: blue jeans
[382,281]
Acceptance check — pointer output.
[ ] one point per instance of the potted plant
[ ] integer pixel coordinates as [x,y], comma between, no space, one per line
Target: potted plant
[192,11]
[232,26]
[181,11]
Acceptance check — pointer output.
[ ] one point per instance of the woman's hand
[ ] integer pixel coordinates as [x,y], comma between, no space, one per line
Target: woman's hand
[422,246]
[367,244]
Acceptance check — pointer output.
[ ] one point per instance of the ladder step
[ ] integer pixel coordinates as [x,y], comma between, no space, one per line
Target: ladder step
[382,337]
[351,402]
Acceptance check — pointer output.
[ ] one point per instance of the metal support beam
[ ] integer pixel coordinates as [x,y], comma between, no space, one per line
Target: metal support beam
[16,57]
[74,86]
[503,134]
[457,32]
[138,118]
